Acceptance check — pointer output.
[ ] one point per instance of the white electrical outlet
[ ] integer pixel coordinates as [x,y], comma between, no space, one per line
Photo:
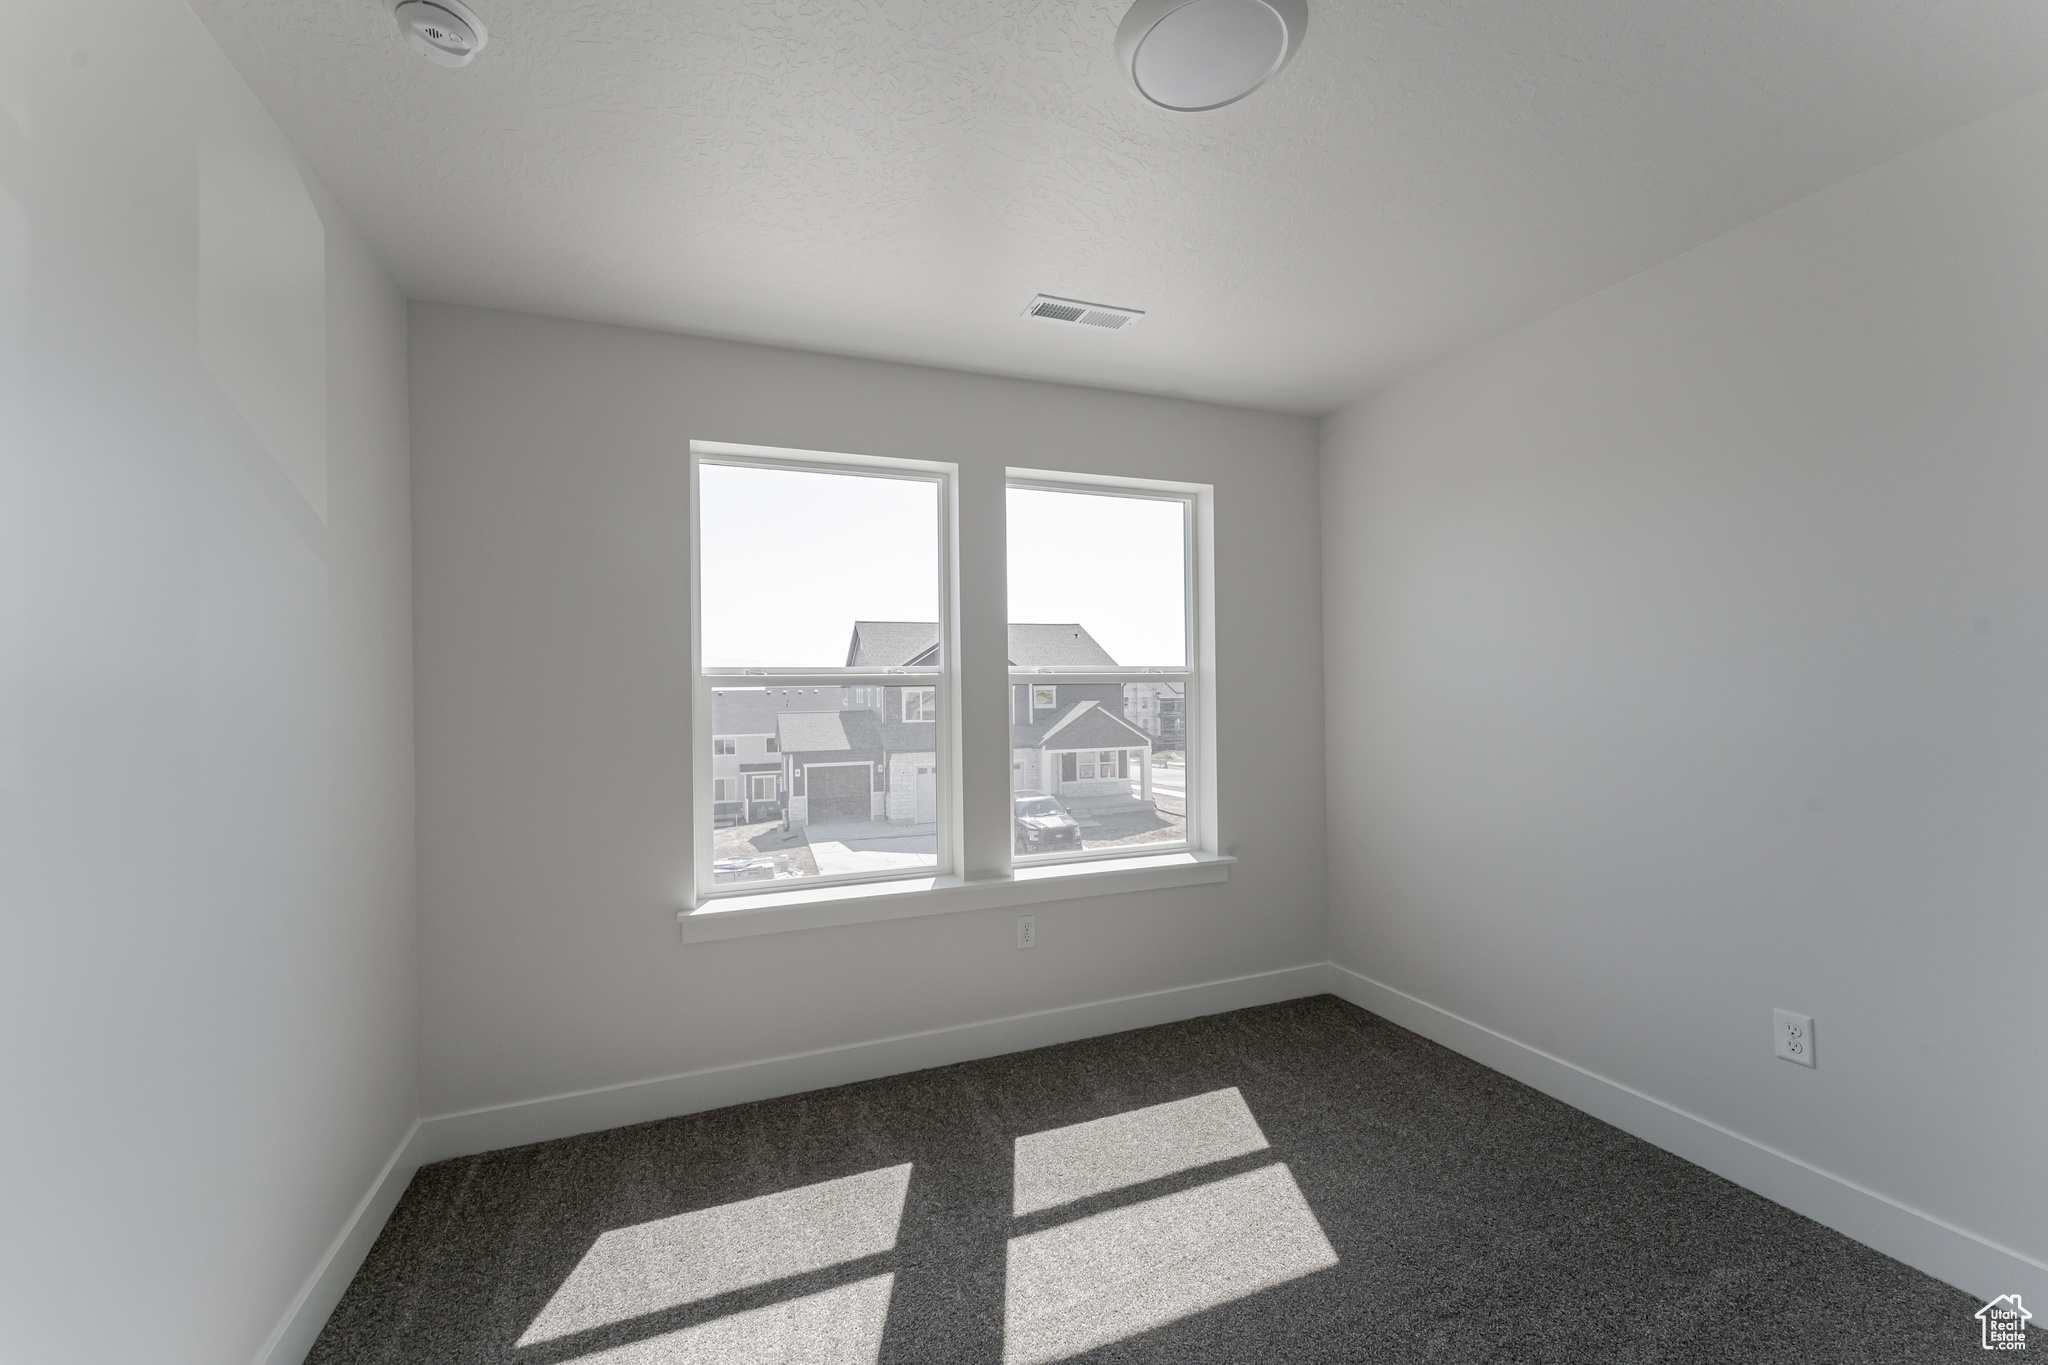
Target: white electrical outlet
[1795,1036]
[1027,931]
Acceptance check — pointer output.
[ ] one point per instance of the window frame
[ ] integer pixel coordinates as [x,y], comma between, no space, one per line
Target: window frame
[942,678]
[928,698]
[965,837]
[1198,834]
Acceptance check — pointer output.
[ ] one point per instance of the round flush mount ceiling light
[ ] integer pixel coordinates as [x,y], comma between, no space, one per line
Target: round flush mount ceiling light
[445,32]
[1190,55]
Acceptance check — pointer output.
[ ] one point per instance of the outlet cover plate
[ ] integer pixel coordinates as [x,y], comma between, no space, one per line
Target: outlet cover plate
[1794,1033]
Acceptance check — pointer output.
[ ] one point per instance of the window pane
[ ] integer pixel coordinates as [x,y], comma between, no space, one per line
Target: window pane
[1097,580]
[1160,710]
[849,787]
[792,560]
[1087,776]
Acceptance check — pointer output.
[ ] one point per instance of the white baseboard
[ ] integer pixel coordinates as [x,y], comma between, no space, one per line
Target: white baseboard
[1971,1263]
[590,1111]
[1948,1253]
[296,1330]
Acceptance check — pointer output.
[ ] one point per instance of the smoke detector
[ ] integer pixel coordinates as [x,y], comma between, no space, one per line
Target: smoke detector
[1073,312]
[1191,55]
[445,32]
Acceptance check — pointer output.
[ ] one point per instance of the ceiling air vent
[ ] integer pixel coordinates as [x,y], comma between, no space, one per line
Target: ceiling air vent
[1049,309]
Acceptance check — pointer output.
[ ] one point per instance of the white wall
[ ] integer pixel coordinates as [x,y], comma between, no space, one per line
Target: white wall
[1688,656]
[551,543]
[207,991]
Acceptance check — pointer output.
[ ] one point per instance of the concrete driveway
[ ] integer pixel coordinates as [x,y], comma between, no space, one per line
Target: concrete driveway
[871,847]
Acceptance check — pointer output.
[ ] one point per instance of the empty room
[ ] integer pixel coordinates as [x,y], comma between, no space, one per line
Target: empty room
[1006,682]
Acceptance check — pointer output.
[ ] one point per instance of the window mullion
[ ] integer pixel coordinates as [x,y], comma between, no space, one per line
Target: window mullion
[773,680]
[1024,679]
[982,630]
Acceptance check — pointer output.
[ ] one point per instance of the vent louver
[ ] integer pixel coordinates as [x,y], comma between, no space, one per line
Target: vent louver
[1058,312]
[1077,313]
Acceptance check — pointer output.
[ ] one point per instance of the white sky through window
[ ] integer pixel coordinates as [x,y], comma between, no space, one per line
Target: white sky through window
[1117,565]
[791,558]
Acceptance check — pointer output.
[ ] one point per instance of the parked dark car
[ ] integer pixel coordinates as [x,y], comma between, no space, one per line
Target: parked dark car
[1044,825]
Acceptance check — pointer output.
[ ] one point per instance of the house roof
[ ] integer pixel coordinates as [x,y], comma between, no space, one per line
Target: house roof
[813,732]
[752,710]
[838,732]
[903,644]
[891,644]
[1054,645]
[1087,725]
[909,737]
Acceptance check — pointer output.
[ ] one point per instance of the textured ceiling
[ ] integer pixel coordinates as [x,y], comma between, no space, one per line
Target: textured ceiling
[897,177]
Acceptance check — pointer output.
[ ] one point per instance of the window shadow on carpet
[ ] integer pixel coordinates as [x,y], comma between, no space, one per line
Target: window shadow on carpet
[1114,1227]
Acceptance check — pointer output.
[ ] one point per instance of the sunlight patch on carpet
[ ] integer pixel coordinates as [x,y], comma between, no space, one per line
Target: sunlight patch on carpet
[1084,1284]
[1061,1165]
[631,1272]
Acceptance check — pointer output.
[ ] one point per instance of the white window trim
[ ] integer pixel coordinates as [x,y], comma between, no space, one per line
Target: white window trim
[737,911]
[1193,676]
[705,892]
[821,907]
[903,698]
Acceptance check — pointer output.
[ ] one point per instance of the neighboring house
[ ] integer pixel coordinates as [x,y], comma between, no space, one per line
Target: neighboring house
[856,755]
[1160,710]
[856,765]
[1070,740]
[749,781]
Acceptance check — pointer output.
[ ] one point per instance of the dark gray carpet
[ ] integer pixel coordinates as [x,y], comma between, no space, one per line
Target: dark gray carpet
[1470,1219]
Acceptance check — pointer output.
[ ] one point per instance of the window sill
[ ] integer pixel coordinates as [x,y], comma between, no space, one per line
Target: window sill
[822,907]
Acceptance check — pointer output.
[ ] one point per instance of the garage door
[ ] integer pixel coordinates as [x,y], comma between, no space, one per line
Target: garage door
[838,795]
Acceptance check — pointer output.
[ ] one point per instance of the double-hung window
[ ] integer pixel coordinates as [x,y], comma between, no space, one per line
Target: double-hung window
[838,649]
[837,646]
[1101,588]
